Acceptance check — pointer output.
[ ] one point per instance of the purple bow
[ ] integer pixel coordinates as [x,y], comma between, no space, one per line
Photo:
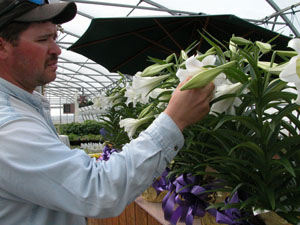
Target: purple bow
[231,216]
[161,183]
[184,200]
[107,151]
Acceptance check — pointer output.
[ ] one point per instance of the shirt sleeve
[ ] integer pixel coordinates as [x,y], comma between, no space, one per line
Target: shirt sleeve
[36,167]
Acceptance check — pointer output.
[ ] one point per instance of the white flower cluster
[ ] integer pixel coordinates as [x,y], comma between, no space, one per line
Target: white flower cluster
[141,88]
[105,103]
[202,69]
[291,72]
[92,147]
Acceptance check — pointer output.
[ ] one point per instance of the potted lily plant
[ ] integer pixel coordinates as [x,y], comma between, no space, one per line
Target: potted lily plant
[240,164]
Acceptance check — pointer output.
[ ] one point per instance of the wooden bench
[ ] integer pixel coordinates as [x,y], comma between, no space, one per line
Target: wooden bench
[140,212]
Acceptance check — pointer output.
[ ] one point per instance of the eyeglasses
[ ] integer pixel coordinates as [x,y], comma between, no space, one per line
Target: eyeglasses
[18,2]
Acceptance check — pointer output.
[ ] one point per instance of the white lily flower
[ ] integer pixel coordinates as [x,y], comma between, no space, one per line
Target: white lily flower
[226,105]
[139,90]
[220,79]
[291,72]
[133,96]
[101,101]
[194,66]
[97,101]
[130,125]
[105,102]
[145,84]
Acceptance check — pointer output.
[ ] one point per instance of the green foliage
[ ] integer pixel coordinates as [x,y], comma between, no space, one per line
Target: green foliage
[256,151]
[86,127]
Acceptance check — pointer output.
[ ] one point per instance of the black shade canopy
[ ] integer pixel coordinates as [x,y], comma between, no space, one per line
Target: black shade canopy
[124,44]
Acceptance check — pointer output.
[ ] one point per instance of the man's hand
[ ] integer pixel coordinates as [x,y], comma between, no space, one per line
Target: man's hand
[189,106]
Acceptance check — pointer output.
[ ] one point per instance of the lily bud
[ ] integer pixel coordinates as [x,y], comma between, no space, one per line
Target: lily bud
[206,76]
[183,55]
[146,112]
[170,58]
[154,69]
[264,47]
[276,69]
[240,41]
[211,51]
[201,57]
[232,47]
[287,53]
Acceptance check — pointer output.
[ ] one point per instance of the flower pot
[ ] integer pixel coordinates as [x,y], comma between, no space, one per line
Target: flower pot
[269,218]
[150,195]
[209,220]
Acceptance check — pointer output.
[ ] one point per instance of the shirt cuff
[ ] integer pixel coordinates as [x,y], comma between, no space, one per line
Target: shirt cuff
[167,134]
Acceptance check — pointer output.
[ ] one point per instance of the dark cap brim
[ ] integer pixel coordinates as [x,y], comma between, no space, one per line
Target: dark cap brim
[58,13]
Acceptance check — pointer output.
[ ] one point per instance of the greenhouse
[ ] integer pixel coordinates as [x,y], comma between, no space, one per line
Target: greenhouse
[150,112]
[81,76]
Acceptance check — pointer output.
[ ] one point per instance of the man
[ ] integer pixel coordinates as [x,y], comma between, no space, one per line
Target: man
[42,181]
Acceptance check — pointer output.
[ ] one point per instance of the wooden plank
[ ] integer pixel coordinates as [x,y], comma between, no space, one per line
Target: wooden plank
[140,212]
[115,220]
[141,216]
[152,221]
[92,221]
[122,218]
[108,221]
[130,214]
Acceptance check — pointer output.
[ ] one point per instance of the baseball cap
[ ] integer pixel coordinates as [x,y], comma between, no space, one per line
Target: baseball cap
[36,11]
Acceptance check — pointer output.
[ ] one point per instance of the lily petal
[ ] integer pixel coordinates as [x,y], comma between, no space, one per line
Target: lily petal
[182,74]
[295,44]
[226,105]
[289,73]
[130,125]
[209,60]
[193,64]
[297,101]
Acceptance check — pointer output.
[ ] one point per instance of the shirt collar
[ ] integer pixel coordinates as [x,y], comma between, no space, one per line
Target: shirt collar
[34,99]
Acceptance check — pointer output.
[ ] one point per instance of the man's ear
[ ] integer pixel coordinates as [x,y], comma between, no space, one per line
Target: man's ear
[3,48]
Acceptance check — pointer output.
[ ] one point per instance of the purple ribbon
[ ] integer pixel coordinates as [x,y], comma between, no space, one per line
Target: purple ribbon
[107,151]
[161,183]
[184,200]
[230,216]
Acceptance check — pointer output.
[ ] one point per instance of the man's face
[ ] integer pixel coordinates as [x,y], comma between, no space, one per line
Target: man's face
[33,61]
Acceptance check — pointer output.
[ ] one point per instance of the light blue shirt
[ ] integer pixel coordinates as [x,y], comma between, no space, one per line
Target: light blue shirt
[43,182]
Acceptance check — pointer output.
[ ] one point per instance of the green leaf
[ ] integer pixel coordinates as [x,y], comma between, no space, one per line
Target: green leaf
[251,146]
[230,205]
[247,121]
[249,201]
[271,197]
[287,165]
[215,46]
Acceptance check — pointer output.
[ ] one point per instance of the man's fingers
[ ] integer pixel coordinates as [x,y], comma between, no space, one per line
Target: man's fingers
[183,82]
